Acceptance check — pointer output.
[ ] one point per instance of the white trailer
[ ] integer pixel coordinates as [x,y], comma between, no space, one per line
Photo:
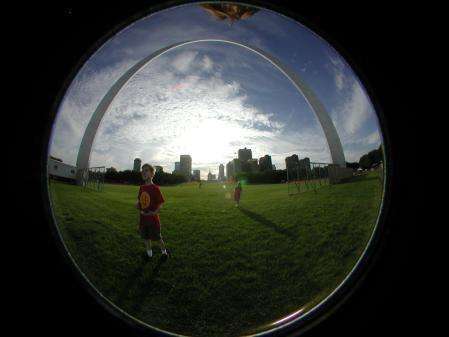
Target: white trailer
[59,170]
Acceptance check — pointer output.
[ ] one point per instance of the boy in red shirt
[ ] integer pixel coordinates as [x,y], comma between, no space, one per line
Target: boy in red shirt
[149,203]
[237,193]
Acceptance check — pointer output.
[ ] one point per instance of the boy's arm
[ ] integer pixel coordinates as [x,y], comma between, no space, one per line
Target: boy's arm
[138,201]
[161,201]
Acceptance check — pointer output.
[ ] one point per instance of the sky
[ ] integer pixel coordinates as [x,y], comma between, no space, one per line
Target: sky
[208,99]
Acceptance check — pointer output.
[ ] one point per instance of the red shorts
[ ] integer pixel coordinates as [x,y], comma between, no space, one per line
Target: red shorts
[237,195]
[150,227]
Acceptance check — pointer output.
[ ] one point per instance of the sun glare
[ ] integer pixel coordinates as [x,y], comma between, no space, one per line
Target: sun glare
[209,140]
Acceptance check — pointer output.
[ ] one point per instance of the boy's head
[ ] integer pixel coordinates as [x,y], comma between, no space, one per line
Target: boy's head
[147,172]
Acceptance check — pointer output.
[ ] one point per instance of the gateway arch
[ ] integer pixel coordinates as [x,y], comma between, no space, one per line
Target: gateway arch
[333,140]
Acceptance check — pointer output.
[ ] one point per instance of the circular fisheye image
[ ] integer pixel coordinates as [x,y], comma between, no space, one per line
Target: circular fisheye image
[216,170]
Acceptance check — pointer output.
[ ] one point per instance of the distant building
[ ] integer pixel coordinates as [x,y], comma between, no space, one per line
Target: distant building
[292,166]
[230,170]
[298,168]
[221,175]
[245,154]
[253,166]
[211,177]
[265,163]
[137,164]
[186,166]
[245,166]
[177,167]
[292,162]
[159,168]
[304,164]
[196,175]
[237,166]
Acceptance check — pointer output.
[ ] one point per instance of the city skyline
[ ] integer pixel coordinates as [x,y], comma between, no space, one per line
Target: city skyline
[224,96]
[263,163]
[217,170]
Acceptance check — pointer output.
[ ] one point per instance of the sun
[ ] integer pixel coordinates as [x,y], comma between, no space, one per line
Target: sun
[209,141]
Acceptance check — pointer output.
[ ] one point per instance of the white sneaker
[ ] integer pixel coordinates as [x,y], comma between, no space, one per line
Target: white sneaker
[150,253]
[164,254]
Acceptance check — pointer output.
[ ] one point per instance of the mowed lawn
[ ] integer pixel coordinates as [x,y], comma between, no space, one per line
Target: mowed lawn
[232,269]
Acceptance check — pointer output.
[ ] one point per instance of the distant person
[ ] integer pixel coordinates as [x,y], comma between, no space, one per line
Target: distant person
[237,193]
[150,200]
[199,185]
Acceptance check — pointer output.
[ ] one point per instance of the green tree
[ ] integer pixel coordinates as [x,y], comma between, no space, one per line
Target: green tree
[354,165]
[365,162]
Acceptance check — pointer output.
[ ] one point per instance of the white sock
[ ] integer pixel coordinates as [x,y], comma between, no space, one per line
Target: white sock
[149,252]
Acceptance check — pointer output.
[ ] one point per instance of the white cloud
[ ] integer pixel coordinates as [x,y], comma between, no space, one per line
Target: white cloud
[339,80]
[338,68]
[354,155]
[351,114]
[355,110]
[207,63]
[372,139]
[354,119]
[183,61]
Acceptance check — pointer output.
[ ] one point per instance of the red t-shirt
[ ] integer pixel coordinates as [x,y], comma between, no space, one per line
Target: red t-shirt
[237,192]
[150,197]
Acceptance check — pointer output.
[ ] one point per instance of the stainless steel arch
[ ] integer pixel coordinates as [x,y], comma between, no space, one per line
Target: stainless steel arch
[333,141]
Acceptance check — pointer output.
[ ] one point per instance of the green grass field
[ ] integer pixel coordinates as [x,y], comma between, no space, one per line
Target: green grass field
[232,269]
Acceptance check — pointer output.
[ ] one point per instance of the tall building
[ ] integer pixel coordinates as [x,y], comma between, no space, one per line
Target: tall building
[304,164]
[137,163]
[177,167]
[233,167]
[245,154]
[196,175]
[230,170]
[265,163]
[253,166]
[221,176]
[297,168]
[292,162]
[211,177]
[237,166]
[186,165]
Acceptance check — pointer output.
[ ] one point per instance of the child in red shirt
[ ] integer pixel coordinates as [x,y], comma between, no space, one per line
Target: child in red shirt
[237,193]
[150,200]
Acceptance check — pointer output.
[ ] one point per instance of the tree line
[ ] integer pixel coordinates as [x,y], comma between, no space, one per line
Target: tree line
[280,176]
[367,161]
[135,178]
[264,177]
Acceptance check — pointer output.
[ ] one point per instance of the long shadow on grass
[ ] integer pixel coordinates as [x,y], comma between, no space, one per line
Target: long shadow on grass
[141,283]
[268,223]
